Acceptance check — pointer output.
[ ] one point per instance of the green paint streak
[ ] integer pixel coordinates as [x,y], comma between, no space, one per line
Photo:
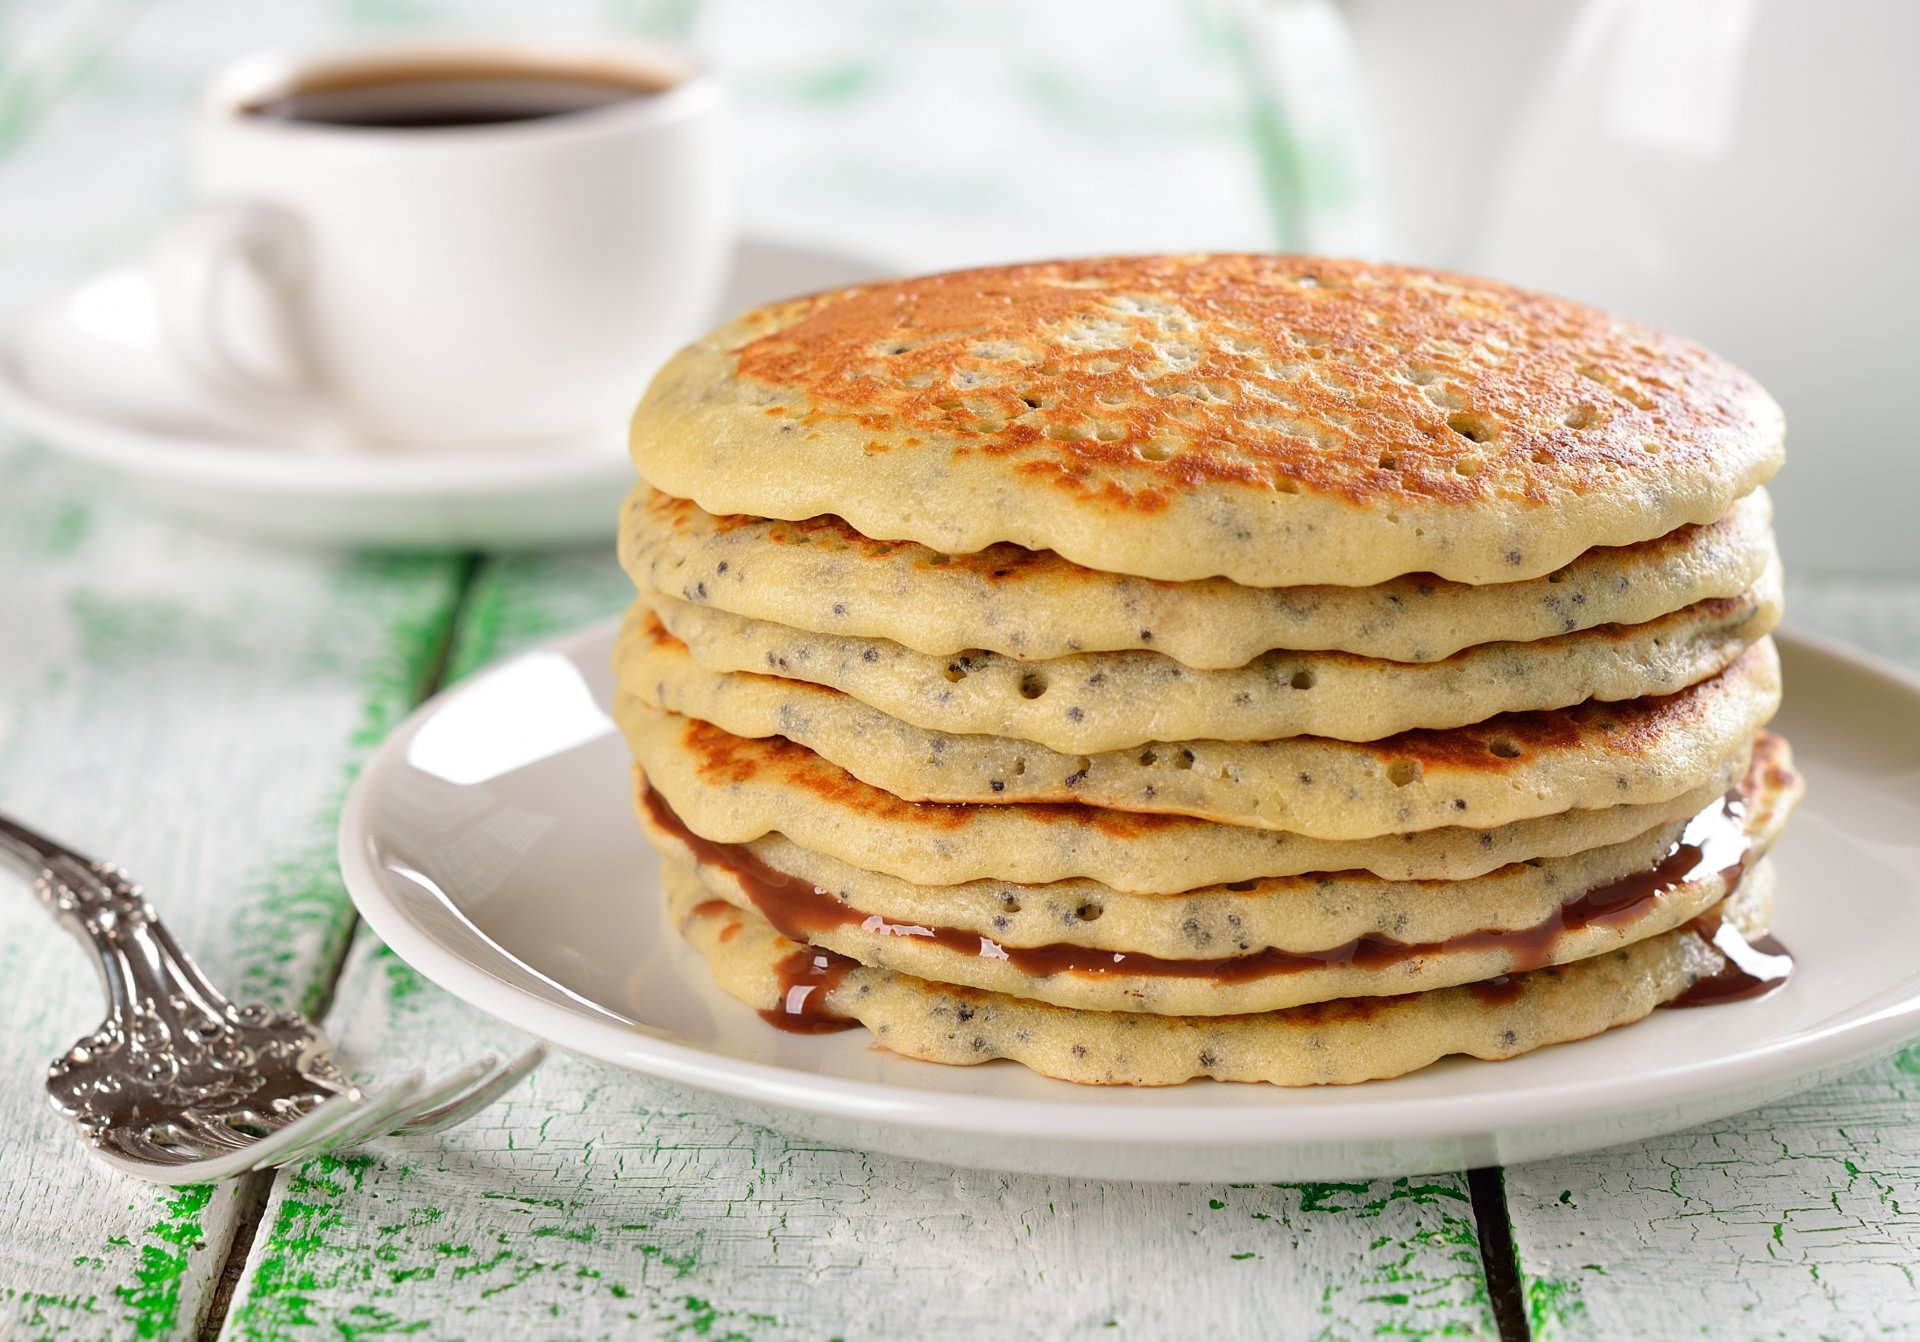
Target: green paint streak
[47,530]
[388,15]
[552,1204]
[834,84]
[1296,178]
[673,19]
[493,616]
[1908,1059]
[366,1321]
[153,1297]
[681,1264]
[1420,1276]
[1320,1197]
[403,981]
[37,1305]
[124,632]
[1355,1199]
[1552,1306]
[518,600]
[574,1234]
[700,1318]
[28,91]
[282,1292]
[68,526]
[346,1248]
[300,900]
[480,1266]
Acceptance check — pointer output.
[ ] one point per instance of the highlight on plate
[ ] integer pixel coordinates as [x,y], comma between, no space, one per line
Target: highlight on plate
[1251,667]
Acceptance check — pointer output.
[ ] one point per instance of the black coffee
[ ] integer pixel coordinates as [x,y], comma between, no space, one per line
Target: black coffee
[435,100]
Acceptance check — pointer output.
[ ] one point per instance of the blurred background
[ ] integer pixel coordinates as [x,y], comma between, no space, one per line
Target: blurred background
[1740,171]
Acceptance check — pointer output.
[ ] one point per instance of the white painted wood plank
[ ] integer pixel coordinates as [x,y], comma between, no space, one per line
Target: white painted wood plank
[189,708]
[1795,1221]
[592,1204]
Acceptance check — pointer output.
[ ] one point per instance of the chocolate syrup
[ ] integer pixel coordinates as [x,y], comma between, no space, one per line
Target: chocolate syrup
[806,977]
[1715,842]
[1755,967]
[1500,990]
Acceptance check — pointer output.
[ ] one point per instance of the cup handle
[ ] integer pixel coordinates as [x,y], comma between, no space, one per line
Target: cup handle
[196,265]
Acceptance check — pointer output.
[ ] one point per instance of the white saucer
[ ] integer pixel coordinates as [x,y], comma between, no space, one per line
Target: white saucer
[87,374]
[491,845]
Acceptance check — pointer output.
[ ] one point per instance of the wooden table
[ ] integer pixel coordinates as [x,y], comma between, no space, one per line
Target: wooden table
[194,706]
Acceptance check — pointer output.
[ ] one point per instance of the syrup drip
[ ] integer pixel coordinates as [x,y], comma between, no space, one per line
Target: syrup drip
[1755,967]
[1715,842]
[807,976]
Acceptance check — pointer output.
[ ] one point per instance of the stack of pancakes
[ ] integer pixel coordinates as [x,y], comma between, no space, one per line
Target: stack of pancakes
[1246,667]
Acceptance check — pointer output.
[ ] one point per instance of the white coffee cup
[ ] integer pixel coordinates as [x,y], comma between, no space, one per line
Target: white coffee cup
[483,284]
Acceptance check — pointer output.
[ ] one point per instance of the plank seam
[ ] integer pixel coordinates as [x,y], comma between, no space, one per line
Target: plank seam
[257,1189]
[1488,1187]
[250,1206]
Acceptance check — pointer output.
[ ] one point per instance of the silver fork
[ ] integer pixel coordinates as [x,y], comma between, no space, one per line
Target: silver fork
[180,1085]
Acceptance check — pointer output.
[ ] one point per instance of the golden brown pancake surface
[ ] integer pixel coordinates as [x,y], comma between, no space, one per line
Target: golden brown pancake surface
[1277,420]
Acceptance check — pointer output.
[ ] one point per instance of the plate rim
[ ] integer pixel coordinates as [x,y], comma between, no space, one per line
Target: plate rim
[1828,1051]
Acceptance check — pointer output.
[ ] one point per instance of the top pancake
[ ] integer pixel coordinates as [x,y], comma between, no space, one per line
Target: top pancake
[1273,420]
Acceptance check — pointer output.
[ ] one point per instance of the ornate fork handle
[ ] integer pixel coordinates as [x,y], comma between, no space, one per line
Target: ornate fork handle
[180,1084]
[168,1031]
[142,969]
[138,960]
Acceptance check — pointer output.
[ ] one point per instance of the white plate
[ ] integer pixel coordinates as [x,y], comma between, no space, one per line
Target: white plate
[490,844]
[87,373]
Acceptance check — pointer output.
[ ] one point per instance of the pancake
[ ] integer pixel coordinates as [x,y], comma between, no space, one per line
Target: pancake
[1283,943]
[1305,913]
[1102,701]
[1253,667]
[732,789]
[822,575]
[1278,421]
[1490,774]
[1333,1043]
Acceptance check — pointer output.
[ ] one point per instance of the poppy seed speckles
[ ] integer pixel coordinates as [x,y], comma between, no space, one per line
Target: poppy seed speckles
[1205,666]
